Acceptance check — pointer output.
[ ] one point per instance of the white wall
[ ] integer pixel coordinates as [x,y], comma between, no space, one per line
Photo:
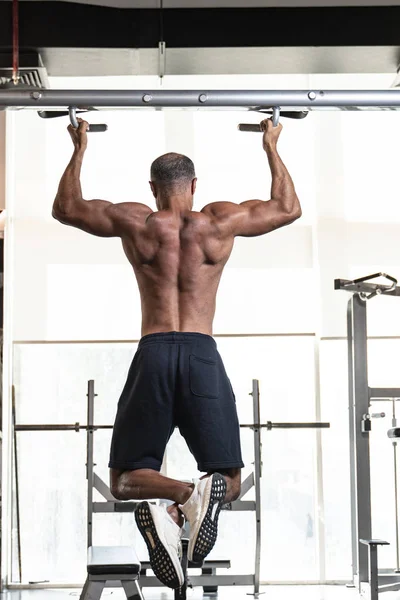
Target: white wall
[344,168]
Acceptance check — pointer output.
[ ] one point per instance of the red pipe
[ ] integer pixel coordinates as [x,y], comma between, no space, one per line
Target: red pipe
[15,66]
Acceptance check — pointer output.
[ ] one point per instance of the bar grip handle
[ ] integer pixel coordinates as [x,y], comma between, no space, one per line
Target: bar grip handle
[92,128]
[253,127]
[289,114]
[52,114]
[97,128]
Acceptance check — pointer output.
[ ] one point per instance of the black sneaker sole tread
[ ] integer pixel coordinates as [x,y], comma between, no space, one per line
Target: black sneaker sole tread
[207,535]
[160,560]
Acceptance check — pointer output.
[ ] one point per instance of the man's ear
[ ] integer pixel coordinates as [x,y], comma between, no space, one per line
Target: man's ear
[194,183]
[153,189]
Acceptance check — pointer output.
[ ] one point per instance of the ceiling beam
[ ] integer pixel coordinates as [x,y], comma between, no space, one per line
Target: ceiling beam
[73,25]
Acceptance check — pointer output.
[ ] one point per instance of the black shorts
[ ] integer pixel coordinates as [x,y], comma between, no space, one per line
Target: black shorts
[176,380]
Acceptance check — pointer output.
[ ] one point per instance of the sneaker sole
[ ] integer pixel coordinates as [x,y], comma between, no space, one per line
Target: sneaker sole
[160,560]
[204,539]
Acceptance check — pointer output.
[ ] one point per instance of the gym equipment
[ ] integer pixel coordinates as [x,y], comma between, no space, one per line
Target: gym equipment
[71,113]
[276,114]
[74,122]
[208,579]
[108,564]
[366,576]
[255,100]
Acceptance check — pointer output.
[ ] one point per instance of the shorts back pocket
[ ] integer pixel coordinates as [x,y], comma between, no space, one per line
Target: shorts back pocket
[203,377]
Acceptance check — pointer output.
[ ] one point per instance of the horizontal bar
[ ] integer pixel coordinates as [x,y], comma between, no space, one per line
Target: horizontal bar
[60,427]
[198,580]
[374,542]
[114,507]
[291,583]
[350,286]
[389,587]
[240,506]
[269,425]
[130,507]
[77,427]
[224,563]
[245,99]
[380,393]
[298,425]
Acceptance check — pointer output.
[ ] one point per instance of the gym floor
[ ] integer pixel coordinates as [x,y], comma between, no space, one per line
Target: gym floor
[271,593]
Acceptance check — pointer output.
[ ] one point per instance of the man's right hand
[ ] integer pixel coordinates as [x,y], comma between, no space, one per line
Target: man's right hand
[79,136]
[271,133]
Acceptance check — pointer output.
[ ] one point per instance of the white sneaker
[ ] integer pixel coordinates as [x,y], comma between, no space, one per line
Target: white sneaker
[202,511]
[163,539]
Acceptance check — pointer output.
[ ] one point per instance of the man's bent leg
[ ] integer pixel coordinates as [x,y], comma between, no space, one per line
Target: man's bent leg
[160,528]
[143,484]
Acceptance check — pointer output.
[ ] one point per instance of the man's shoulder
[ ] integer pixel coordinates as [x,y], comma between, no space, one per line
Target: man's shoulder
[219,209]
[131,210]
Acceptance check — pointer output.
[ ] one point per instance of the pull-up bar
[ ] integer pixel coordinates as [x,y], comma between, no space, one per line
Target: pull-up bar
[256,100]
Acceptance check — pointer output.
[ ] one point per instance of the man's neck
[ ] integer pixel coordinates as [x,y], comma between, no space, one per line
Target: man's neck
[175,202]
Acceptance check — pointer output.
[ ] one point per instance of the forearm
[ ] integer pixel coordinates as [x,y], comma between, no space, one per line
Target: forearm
[69,194]
[282,186]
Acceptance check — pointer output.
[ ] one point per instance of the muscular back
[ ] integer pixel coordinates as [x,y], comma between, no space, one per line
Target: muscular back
[177,254]
[178,260]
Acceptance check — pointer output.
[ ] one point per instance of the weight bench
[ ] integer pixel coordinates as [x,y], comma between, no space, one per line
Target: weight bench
[112,563]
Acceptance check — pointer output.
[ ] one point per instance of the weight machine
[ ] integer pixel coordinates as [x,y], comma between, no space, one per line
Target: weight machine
[366,576]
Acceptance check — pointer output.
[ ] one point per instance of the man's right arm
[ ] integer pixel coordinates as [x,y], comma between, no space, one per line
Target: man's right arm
[97,217]
[257,217]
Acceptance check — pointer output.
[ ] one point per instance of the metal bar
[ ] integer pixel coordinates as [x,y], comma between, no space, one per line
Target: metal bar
[253,99]
[55,427]
[60,427]
[348,285]
[373,571]
[246,486]
[240,506]
[132,590]
[257,482]
[200,580]
[269,425]
[72,586]
[390,587]
[359,441]
[296,425]
[102,488]
[17,504]
[89,461]
[353,481]
[112,507]
[319,510]
[396,505]
[77,427]
[378,393]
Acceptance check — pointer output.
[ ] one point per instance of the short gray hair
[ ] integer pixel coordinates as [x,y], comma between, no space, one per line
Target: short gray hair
[172,168]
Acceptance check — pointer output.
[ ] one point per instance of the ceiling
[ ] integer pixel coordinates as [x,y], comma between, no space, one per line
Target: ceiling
[121,37]
[229,3]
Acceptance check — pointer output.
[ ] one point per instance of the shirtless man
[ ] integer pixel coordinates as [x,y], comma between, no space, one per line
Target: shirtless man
[177,377]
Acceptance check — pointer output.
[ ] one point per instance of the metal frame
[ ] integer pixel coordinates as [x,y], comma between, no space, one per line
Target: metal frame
[245,99]
[366,576]
[208,578]
[257,481]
